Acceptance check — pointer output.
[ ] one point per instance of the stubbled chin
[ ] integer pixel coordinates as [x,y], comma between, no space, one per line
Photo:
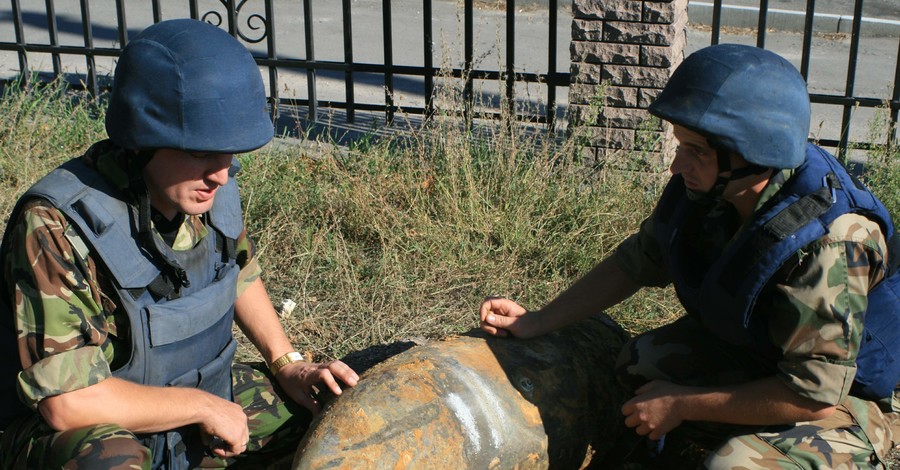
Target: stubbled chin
[198,208]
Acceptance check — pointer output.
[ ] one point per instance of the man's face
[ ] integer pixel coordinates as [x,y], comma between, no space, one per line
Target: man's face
[186,182]
[695,160]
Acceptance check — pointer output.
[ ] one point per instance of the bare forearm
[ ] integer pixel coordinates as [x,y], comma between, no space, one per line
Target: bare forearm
[660,406]
[763,402]
[257,318]
[137,408]
[603,287]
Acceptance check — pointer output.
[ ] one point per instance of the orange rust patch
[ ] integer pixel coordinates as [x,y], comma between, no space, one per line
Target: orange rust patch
[359,423]
[403,460]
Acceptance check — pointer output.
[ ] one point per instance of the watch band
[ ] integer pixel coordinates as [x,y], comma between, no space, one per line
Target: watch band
[284,360]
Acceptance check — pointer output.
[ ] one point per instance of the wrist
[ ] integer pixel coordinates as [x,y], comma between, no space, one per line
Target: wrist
[283,360]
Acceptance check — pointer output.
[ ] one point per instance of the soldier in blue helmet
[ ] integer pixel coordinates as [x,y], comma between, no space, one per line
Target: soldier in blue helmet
[125,269]
[786,267]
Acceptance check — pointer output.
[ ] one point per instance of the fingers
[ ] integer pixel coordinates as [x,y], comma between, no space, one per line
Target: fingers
[500,306]
[500,316]
[330,371]
[221,449]
[306,400]
[301,379]
[343,372]
[488,328]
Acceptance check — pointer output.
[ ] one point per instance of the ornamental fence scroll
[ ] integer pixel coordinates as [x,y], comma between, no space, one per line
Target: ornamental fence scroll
[320,52]
[344,56]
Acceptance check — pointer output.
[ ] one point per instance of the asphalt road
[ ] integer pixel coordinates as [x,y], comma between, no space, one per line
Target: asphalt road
[828,71]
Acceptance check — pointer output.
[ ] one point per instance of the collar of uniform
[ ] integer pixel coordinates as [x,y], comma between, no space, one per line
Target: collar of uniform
[773,186]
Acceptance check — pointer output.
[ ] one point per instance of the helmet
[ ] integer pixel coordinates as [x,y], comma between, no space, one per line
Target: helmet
[188,85]
[741,98]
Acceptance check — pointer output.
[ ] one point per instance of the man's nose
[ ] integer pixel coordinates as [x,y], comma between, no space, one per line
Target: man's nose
[679,163]
[218,171]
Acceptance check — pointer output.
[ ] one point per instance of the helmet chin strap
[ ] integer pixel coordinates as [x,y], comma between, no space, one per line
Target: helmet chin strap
[723,160]
[162,252]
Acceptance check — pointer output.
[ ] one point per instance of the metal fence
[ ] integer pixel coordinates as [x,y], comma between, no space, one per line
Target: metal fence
[846,99]
[319,56]
[284,37]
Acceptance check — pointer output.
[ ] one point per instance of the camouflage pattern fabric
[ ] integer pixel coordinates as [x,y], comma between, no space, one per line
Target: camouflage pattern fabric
[71,334]
[857,435]
[276,426]
[813,309]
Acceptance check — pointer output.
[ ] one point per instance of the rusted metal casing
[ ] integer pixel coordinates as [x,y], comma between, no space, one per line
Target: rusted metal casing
[476,401]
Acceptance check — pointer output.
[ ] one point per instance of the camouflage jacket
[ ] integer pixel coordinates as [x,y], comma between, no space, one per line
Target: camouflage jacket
[71,331]
[816,344]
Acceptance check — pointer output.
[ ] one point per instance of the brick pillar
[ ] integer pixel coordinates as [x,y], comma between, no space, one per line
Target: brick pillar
[623,52]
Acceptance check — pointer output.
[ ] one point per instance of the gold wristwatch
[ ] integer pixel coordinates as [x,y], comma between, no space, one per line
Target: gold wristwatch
[282,361]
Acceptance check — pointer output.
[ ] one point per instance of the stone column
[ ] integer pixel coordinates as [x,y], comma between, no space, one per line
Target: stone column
[623,52]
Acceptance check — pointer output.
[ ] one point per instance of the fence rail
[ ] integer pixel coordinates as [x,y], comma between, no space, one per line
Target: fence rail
[847,100]
[255,23]
[361,62]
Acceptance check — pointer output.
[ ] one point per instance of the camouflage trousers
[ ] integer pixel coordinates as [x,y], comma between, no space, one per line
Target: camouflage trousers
[276,426]
[857,435]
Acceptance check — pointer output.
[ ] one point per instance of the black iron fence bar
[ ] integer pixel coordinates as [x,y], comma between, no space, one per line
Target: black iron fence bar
[851,77]
[412,110]
[53,33]
[311,57]
[895,104]
[510,54]
[761,26]
[848,102]
[428,58]
[558,79]
[89,44]
[231,11]
[20,38]
[194,10]
[388,42]
[62,50]
[468,46]
[551,64]
[555,79]
[716,22]
[348,59]
[122,23]
[157,12]
[272,54]
[807,39]
[851,101]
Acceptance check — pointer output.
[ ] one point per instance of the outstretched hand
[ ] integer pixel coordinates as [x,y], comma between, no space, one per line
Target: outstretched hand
[300,378]
[502,317]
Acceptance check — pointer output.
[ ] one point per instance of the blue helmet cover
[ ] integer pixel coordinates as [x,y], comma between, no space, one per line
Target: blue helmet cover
[746,99]
[188,85]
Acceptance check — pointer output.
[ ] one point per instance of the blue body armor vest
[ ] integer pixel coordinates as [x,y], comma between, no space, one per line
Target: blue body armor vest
[723,292]
[180,340]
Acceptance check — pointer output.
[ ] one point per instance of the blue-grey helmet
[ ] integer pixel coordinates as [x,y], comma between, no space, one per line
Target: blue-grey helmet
[741,98]
[188,85]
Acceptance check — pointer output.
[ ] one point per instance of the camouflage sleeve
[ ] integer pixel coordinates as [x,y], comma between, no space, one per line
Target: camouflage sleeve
[246,259]
[816,312]
[639,256]
[63,333]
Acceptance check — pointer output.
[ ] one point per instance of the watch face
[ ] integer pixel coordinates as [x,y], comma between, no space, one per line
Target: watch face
[295,356]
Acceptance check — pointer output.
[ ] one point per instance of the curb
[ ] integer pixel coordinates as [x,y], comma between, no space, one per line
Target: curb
[791,20]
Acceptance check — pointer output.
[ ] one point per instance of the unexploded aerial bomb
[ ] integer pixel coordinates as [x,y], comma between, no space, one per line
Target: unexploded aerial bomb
[476,401]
